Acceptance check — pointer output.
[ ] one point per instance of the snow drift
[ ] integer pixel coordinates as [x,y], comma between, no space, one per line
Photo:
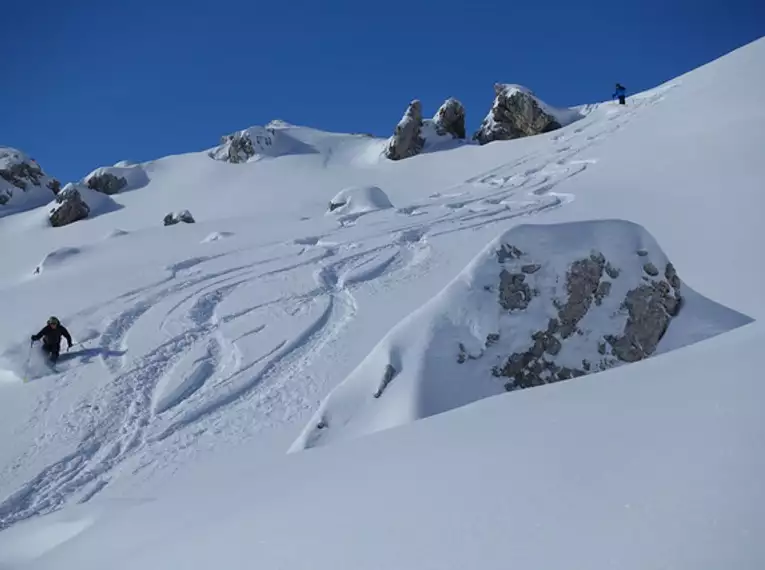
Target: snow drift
[359,200]
[542,304]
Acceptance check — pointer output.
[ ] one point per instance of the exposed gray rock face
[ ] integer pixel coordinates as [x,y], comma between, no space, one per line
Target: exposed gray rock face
[407,139]
[650,307]
[651,269]
[671,275]
[514,293]
[69,208]
[589,281]
[450,119]
[508,251]
[604,288]
[388,375]
[611,271]
[582,283]
[514,114]
[176,217]
[107,183]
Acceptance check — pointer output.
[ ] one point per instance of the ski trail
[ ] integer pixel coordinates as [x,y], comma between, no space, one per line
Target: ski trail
[193,377]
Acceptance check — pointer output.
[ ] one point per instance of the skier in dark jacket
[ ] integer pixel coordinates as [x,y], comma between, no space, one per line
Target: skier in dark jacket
[51,336]
[620,92]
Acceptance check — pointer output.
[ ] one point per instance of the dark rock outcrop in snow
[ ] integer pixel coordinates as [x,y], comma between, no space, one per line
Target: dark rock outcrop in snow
[515,113]
[176,217]
[407,139]
[106,183]
[514,293]
[651,307]
[450,119]
[649,303]
[69,208]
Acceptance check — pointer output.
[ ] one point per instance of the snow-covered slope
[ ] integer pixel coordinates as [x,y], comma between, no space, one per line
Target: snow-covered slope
[205,350]
[541,304]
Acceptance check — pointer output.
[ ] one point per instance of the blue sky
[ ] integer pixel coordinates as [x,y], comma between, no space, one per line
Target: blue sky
[93,82]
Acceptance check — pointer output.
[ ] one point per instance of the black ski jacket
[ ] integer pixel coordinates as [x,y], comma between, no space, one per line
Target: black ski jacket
[53,336]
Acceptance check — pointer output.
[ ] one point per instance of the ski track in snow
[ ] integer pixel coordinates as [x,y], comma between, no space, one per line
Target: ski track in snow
[126,415]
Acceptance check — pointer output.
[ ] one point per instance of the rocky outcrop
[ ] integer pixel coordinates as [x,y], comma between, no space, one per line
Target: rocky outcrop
[651,306]
[647,306]
[176,217]
[407,139]
[514,293]
[69,207]
[516,113]
[106,183]
[239,147]
[450,119]
[20,175]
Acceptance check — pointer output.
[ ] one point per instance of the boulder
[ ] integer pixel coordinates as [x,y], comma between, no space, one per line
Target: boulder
[176,217]
[450,119]
[407,139]
[106,183]
[69,207]
[516,113]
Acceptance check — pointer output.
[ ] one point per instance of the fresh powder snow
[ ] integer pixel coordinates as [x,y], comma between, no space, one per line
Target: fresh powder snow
[536,353]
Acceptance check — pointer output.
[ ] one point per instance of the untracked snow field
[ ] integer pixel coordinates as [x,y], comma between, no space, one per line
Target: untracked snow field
[205,352]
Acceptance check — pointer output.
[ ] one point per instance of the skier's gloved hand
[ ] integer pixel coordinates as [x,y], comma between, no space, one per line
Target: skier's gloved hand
[32,338]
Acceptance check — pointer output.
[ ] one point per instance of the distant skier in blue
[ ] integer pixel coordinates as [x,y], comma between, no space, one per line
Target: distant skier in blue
[620,93]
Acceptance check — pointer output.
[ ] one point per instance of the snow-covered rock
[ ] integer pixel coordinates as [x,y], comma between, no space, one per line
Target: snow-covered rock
[77,202]
[22,180]
[450,119]
[276,139]
[407,139]
[69,207]
[243,145]
[113,179]
[542,304]
[180,216]
[357,200]
[517,112]
[107,183]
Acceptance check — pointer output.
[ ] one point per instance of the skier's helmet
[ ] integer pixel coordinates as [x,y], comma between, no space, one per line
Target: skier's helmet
[54,321]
